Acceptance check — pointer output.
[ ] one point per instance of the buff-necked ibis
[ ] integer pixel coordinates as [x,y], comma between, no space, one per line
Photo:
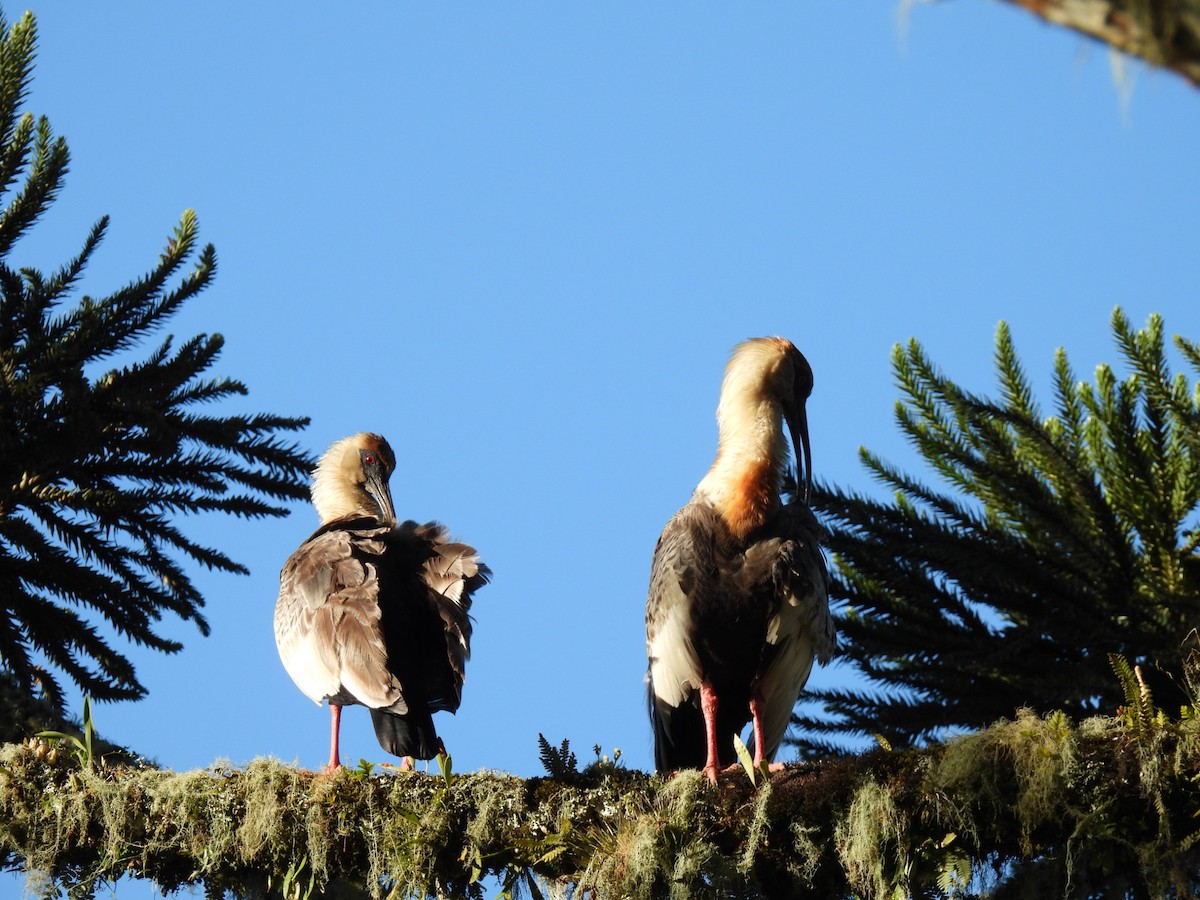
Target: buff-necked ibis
[375,612]
[737,607]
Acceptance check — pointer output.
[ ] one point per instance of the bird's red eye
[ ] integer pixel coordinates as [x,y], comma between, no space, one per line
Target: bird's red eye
[369,459]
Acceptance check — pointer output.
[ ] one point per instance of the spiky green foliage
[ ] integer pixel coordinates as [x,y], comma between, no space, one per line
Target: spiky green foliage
[95,464]
[560,761]
[1054,541]
[1032,807]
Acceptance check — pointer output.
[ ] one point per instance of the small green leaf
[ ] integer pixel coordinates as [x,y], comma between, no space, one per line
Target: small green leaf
[81,749]
[745,758]
[445,764]
[409,816]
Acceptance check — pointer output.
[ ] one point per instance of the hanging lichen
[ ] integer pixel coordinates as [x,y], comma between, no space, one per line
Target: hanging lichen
[872,842]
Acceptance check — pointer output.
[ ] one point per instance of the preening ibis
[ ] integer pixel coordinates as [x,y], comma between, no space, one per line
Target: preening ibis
[737,607]
[375,613]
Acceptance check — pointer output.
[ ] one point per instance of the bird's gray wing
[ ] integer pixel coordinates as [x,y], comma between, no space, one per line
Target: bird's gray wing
[801,626]
[452,573]
[327,620]
[681,556]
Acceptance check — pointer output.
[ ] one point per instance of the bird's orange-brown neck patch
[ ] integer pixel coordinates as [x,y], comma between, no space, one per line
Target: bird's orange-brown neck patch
[749,498]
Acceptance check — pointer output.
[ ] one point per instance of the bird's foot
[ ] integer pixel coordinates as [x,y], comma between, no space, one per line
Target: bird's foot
[405,765]
[712,770]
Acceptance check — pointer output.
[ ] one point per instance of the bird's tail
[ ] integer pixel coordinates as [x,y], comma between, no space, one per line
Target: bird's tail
[680,740]
[408,735]
[679,736]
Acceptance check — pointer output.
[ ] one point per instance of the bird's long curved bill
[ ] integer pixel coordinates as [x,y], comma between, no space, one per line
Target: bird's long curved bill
[379,490]
[799,431]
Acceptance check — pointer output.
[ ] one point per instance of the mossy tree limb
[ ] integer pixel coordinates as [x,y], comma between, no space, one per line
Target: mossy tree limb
[1098,805]
[1165,33]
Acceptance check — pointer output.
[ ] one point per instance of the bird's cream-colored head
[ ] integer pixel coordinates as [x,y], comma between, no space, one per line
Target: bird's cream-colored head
[352,479]
[764,370]
[768,379]
[767,382]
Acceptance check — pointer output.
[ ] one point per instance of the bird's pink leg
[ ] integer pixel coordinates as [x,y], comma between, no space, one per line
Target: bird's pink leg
[335,721]
[708,706]
[756,718]
[756,702]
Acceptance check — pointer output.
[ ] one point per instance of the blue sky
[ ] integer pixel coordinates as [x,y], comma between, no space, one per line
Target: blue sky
[519,240]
